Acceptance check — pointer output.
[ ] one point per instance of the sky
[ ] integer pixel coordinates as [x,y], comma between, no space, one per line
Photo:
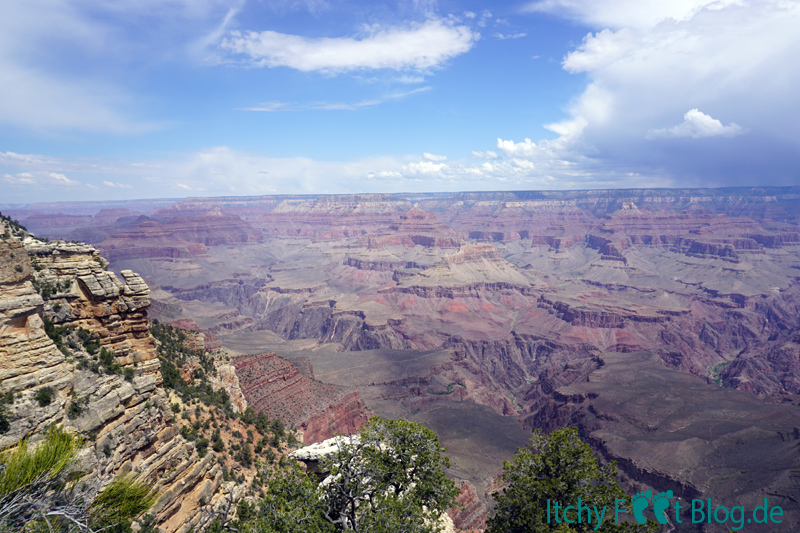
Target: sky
[102,100]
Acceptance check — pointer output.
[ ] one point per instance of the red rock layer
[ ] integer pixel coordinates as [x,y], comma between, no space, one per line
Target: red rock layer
[416,227]
[276,387]
[331,217]
[472,513]
[179,237]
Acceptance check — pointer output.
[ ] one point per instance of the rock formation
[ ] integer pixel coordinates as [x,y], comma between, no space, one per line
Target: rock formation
[127,418]
[737,449]
[479,307]
[276,387]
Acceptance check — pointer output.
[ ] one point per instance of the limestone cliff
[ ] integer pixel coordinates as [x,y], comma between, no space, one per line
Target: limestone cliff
[124,415]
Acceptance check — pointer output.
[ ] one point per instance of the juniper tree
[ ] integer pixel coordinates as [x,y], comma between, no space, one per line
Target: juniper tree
[558,467]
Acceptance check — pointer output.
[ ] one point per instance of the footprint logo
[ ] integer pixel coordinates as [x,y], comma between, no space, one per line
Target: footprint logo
[640,502]
[660,506]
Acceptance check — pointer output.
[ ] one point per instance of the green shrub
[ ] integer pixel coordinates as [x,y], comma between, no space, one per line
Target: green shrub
[202,446]
[44,396]
[76,407]
[23,466]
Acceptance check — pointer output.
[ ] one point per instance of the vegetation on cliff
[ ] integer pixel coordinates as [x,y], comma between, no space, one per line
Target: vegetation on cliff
[10,227]
[388,478]
[175,354]
[244,443]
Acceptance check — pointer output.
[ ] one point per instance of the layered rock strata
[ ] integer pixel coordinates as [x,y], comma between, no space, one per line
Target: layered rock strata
[276,387]
[127,421]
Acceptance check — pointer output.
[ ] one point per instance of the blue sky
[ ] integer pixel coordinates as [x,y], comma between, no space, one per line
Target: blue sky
[101,99]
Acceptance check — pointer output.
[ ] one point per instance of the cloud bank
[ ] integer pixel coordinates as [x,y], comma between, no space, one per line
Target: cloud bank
[731,63]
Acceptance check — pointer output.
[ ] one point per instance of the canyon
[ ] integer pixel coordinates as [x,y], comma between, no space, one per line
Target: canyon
[639,316]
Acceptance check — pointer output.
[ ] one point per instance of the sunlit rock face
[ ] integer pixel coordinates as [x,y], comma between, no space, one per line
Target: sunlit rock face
[127,423]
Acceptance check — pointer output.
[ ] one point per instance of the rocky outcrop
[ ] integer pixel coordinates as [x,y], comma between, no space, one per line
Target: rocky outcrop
[277,388]
[126,419]
[29,360]
[91,298]
[415,227]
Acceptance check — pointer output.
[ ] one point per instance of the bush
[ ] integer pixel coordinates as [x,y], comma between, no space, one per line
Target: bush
[44,396]
[76,407]
[202,446]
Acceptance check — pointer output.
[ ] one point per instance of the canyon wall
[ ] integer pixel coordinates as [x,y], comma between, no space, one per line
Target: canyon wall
[276,387]
[126,419]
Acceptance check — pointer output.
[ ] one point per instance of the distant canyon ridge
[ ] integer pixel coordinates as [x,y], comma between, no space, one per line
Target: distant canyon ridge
[664,323]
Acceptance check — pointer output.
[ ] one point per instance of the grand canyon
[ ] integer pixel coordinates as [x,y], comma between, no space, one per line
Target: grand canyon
[663,323]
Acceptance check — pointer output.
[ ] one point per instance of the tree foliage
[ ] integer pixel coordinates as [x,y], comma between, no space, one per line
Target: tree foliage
[559,467]
[390,478]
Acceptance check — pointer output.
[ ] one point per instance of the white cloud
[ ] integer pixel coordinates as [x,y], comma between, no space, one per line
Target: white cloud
[601,50]
[270,107]
[23,178]
[433,157]
[62,179]
[221,170]
[425,167]
[697,124]
[504,36]
[116,185]
[488,154]
[418,46]
[527,148]
[648,61]
[627,13]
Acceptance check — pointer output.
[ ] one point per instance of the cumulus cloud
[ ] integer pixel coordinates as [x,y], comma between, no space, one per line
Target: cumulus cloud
[433,157]
[697,124]
[417,46]
[646,62]
[221,170]
[425,168]
[487,154]
[544,172]
[526,148]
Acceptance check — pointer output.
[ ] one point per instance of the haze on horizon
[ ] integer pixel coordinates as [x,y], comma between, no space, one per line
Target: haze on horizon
[171,98]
